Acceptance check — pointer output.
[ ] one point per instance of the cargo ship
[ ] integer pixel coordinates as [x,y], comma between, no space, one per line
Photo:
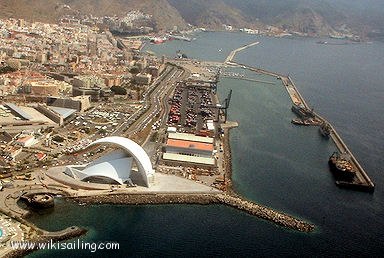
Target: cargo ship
[302,111]
[298,121]
[341,166]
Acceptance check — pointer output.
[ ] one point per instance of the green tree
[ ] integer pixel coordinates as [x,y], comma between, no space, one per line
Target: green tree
[119,90]
[134,70]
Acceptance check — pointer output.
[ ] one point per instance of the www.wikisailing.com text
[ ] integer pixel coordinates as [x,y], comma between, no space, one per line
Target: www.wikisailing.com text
[74,245]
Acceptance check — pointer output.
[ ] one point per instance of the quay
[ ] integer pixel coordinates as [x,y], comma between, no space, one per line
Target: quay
[248,79]
[361,180]
[256,70]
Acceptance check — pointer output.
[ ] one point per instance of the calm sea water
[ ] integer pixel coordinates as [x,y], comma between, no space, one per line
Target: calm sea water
[274,163]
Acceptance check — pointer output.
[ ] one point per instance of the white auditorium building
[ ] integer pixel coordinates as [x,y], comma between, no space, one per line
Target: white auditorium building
[115,167]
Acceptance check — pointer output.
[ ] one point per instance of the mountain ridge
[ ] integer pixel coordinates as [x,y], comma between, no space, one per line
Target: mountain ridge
[315,17]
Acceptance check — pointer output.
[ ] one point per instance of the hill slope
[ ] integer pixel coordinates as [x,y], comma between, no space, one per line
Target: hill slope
[48,10]
[313,16]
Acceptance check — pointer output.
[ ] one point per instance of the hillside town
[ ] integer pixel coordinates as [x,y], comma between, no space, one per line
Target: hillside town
[51,75]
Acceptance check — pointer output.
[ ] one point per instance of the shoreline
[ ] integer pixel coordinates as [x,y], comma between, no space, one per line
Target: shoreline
[229,197]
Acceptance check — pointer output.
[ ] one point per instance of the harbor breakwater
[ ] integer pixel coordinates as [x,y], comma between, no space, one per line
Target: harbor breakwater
[362,181]
[233,201]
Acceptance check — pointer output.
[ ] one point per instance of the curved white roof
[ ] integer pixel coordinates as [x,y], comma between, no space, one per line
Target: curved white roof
[133,149]
[118,169]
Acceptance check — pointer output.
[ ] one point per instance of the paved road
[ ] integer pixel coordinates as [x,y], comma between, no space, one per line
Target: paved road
[157,98]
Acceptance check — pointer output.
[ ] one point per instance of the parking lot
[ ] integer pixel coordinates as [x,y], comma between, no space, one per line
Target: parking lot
[191,107]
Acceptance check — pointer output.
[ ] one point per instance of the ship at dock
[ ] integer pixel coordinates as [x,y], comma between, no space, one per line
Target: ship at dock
[298,121]
[325,129]
[302,111]
[305,116]
[341,166]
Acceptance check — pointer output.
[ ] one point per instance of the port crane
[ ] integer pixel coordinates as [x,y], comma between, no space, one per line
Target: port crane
[222,108]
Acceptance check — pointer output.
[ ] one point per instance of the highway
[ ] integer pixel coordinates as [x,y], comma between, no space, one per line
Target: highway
[124,127]
[155,103]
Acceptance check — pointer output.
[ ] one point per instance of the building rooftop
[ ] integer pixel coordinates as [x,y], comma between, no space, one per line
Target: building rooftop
[187,158]
[25,139]
[64,112]
[190,145]
[189,137]
[19,111]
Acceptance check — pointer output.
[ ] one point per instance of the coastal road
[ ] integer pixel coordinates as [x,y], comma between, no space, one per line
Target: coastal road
[126,126]
[157,98]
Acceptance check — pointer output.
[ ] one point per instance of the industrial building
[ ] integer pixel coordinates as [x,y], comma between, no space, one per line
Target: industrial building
[16,110]
[143,78]
[191,148]
[26,141]
[46,87]
[184,148]
[56,114]
[79,103]
[177,159]
[189,137]
[95,93]
[16,118]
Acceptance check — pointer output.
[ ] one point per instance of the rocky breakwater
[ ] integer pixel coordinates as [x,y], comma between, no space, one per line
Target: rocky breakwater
[139,199]
[265,213]
[204,199]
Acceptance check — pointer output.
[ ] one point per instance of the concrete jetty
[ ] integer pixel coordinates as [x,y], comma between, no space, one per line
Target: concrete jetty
[362,180]
[248,79]
[234,52]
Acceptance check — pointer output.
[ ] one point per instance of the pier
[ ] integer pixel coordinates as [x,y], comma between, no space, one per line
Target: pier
[234,52]
[361,180]
[256,70]
[248,79]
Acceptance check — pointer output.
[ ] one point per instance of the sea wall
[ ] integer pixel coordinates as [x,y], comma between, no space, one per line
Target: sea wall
[266,213]
[203,199]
